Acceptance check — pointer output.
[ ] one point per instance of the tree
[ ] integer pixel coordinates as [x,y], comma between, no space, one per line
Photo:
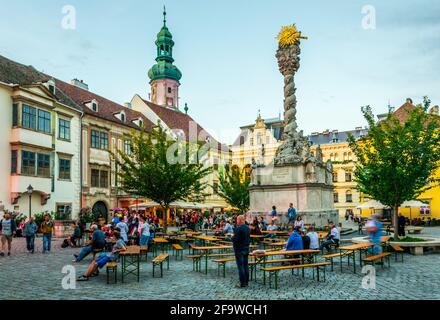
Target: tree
[397,159]
[233,187]
[161,169]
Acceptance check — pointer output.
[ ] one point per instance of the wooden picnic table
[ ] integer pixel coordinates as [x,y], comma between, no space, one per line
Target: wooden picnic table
[161,242]
[134,253]
[274,232]
[206,250]
[261,258]
[360,247]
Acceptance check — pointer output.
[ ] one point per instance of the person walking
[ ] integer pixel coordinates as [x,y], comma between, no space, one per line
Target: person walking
[123,229]
[8,228]
[47,227]
[241,241]
[30,230]
[291,214]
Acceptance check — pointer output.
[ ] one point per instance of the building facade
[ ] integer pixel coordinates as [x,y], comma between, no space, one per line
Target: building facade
[40,140]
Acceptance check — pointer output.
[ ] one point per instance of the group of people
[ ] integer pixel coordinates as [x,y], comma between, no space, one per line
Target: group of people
[8,229]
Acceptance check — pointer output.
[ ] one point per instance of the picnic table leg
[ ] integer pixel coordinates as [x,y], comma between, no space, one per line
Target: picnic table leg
[206,262]
[264,272]
[122,268]
[138,265]
[354,261]
[302,262]
[317,272]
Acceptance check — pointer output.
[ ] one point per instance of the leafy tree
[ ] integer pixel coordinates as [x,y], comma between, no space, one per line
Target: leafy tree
[233,187]
[161,169]
[397,159]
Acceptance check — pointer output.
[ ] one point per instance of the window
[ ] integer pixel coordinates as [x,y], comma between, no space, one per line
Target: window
[348,196]
[104,140]
[103,179]
[347,176]
[43,121]
[14,157]
[64,169]
[215,166]
[43,168]
[122,117]
[29,117]
[127,147]
[95,106]
[64,129]
[215,187]
[64,211]
[15,114]
[28,163]
[335,176]
[95,178]
[259,138]
[169,89]
[252,141]
[335,197]
[95,139]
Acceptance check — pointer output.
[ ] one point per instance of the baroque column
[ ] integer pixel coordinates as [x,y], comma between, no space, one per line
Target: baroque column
[294,148]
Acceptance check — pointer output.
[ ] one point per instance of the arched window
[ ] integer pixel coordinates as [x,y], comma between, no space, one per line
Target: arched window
[348,196]
[348,176]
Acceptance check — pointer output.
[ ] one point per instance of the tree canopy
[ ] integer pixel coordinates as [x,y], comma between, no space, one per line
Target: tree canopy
[233,187]
[396,160]
[162,169]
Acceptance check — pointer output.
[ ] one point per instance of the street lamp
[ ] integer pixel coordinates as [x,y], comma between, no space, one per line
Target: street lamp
[30,189]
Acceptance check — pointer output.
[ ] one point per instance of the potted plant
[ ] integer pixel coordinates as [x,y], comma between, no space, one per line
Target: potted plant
[86,217]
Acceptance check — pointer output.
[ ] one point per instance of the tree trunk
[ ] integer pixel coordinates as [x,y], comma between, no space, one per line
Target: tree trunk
[164,217]
[395,221]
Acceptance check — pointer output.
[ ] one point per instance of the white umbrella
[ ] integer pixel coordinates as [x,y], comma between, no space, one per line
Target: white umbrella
[372,204]
[144,205]
[412,204]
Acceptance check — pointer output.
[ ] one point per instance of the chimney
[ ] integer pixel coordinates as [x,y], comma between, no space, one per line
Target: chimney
[127,105]
[409,100]
[80,84]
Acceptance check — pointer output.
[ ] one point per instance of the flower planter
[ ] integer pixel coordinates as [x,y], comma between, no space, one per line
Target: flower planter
[63,228]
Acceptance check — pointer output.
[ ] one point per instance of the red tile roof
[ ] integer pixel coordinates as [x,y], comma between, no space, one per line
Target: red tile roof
[175,119]
[402,112]
[106,108]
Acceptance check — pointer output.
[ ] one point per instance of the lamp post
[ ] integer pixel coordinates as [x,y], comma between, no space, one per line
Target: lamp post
[30,189]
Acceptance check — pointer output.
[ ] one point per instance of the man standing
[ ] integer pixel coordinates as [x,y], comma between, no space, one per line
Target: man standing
[291,214]
[241,241]
[30,230]
[401,222]
[47,227]
[123,229]
[7,231]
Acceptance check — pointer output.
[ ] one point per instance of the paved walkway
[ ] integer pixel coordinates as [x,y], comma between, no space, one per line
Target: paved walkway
[38,276]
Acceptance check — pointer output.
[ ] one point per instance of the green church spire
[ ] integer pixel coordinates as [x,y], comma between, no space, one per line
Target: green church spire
[164,67]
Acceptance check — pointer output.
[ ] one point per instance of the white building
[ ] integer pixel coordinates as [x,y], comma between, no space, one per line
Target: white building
[39,143]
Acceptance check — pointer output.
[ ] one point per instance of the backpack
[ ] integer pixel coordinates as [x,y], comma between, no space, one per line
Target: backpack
[65,244]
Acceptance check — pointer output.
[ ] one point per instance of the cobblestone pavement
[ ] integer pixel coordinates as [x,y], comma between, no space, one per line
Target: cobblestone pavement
[38,276]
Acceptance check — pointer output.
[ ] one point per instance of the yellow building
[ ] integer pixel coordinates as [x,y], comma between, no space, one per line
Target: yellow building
[335,147]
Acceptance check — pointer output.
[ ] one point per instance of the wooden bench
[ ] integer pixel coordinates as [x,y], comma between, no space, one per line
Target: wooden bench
[253,265]
[397,250]
[374,258]
[219,255]
[197,261]
[112,266]
[159,260]
[178,251]
[273,271]
[331,256]
[222,263]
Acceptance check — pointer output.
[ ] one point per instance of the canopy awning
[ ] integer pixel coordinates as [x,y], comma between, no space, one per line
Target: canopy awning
[178,205]
[414,204]
[372,204]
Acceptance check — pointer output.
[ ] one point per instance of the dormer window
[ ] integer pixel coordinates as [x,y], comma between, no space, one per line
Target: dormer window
[93,105]
[123,117]
[139,122]
[51,86]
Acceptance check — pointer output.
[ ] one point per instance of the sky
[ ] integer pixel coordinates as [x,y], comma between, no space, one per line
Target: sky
[226,52]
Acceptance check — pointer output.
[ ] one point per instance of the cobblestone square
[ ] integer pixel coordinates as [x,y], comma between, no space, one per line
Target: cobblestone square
[24,276]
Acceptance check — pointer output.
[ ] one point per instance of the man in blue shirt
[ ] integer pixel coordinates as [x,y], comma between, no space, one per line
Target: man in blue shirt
[291,214]
[295,241]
